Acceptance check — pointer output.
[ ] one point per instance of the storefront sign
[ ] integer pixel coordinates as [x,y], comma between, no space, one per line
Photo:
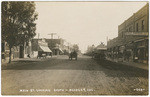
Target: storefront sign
[137,33]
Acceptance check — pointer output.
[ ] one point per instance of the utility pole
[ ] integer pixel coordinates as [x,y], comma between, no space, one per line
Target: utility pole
[38,35]
[52,34]
[107,39]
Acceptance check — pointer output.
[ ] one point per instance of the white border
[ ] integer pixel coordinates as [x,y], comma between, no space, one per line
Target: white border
[77,1]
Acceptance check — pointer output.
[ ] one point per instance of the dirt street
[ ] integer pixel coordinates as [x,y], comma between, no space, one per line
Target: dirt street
[86,76]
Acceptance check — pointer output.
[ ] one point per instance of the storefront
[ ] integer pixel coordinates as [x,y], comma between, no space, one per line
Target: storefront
[39,47]
[57,50]
[141,51]
[43,48]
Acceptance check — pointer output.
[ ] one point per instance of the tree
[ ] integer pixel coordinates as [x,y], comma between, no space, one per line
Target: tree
[18,23]
[76,47]
[90,50]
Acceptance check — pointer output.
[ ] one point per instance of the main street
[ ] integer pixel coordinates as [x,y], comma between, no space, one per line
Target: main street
[60,76]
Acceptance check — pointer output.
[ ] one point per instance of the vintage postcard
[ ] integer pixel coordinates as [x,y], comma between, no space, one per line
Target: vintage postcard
[74,48]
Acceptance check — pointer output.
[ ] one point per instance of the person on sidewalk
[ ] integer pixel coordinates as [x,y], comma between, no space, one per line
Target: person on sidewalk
[28,56]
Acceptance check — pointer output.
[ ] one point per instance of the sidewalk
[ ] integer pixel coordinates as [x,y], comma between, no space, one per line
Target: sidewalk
[33,59]
[134,64]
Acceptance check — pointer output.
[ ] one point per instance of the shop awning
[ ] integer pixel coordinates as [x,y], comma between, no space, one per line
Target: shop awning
[58,49]
[61,50]
[45,49]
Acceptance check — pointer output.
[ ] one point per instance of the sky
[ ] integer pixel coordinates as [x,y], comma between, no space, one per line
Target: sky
[83,23]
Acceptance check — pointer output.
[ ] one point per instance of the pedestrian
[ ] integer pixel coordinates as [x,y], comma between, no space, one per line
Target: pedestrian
[28,55]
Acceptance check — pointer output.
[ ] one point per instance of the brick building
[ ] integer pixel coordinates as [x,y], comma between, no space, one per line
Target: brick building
[132,41]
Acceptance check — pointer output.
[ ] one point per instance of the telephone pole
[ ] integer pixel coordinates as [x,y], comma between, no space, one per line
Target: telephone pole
[38,35]
[52,34]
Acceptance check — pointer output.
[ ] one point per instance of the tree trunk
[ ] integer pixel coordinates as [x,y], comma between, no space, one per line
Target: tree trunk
[22,51]
[10,54]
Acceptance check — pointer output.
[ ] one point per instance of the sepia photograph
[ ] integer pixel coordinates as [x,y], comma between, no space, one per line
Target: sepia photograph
[78,48]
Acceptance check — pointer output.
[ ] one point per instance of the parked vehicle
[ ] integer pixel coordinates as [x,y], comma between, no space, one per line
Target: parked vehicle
[73,55]
[41,54]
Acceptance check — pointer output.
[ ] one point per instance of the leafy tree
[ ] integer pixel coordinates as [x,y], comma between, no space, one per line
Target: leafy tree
[18,23]
[76,47]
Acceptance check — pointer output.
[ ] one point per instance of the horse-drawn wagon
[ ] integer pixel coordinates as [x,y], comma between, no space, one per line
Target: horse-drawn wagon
[73,55]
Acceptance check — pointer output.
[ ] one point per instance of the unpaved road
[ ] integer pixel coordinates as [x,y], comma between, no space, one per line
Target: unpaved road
[59,76]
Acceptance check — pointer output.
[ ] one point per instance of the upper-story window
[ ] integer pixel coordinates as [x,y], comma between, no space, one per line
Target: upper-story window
[142,25]
[137,27]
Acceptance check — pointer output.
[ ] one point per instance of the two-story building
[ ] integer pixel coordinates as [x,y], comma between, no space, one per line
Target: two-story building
[56,45]
[40,46]
[132,41]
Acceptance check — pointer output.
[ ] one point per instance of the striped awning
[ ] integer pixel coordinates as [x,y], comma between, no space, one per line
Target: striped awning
[45,49]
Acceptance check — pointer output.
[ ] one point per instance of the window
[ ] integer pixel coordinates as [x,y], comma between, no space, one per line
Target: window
[142,25]
[137,28]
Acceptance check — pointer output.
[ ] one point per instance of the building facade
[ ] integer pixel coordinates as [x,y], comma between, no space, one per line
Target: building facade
[132,41]
[40,46]
[100,51]
[56,45]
